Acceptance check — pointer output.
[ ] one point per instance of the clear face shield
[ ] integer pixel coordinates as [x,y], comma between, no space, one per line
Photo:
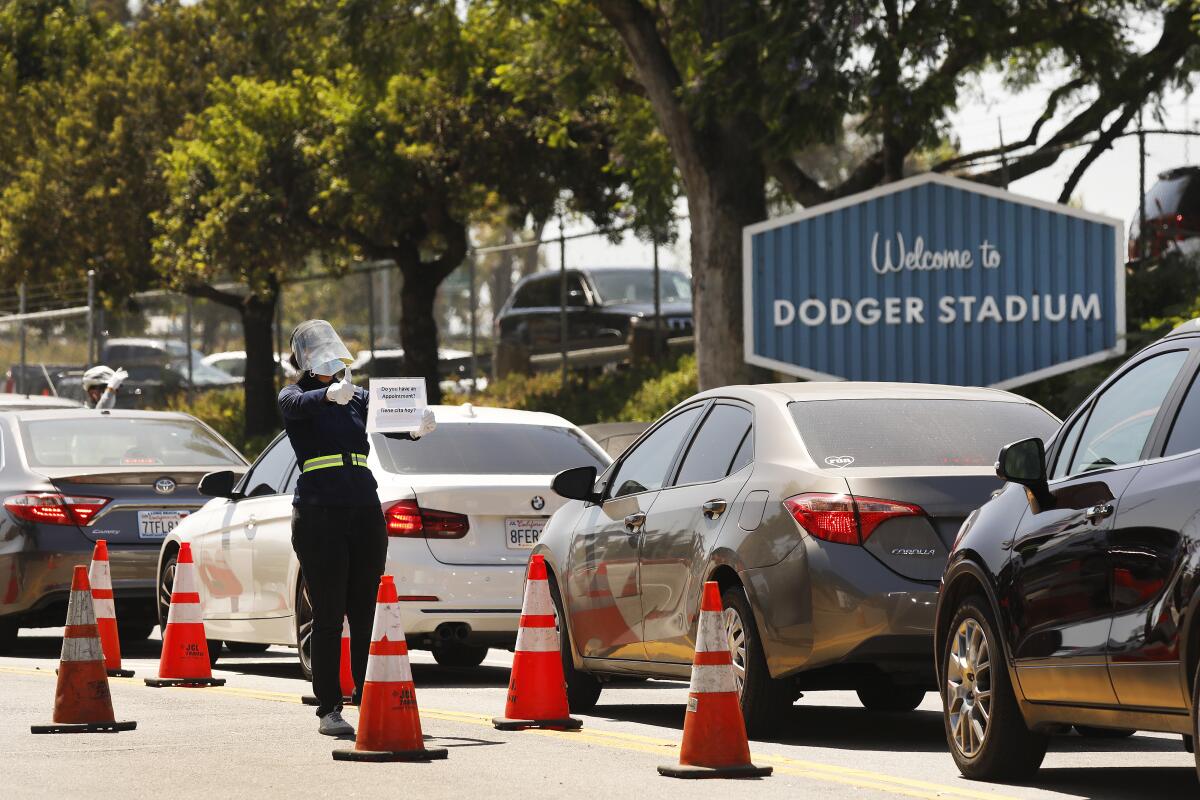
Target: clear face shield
[319,349]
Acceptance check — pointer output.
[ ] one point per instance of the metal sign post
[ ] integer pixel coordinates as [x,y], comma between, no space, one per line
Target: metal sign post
[91,316]
[20,387]
[562,297]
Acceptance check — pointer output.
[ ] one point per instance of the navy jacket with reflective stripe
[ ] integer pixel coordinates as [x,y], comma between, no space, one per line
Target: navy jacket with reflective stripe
[317,427]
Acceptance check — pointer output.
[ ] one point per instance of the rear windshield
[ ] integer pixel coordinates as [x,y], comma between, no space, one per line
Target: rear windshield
[915,433]
[103,441]
[488,448]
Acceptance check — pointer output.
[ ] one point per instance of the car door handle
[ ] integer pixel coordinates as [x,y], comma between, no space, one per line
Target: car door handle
[1098,512]
[635,522]
[714,508]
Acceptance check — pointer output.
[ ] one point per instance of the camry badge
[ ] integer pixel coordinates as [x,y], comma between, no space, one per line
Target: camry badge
[164,486]
[538,502]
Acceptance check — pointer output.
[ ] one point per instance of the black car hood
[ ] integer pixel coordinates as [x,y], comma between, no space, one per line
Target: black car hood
[647,309]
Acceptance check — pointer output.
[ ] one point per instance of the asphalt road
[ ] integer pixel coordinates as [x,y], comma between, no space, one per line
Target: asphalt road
[252,738]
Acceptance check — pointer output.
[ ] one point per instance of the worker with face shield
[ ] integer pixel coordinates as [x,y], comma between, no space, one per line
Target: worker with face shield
[338,529]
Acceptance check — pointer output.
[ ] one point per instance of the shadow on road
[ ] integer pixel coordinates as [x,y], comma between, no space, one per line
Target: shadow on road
[1118,783]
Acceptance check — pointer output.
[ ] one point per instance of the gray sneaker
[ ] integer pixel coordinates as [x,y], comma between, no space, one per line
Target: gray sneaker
[332,724]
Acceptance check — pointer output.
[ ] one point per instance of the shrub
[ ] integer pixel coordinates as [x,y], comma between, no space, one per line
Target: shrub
[223,410]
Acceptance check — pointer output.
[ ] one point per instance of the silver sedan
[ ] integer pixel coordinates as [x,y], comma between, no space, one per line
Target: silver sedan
[825,512]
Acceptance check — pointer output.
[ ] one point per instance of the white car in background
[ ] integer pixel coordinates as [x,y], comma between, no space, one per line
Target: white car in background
[234,362]
[464,507]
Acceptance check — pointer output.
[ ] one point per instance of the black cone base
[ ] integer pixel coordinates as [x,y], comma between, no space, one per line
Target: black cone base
[506,724]
[84,727]
[120,673]
[159,683]
[427,754]
[310,700]
[741,771]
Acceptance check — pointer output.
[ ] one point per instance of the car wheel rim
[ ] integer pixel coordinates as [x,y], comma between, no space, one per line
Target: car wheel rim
[969,688]
[304,626]
[164,591]
[735,633]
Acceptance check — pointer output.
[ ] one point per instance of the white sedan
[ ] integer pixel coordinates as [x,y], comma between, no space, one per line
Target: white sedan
[464,506]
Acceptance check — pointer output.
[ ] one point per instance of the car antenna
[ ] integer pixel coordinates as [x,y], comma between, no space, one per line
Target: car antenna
[468,410]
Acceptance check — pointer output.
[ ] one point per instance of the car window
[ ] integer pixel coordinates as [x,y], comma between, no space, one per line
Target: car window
[114,441]
[269,473]
[637,286]
[488,448]
[645,468]
[293,478]
[1185,430]
[1069,440]
[909,432]
[537,293]
[1116,430]
[717,445]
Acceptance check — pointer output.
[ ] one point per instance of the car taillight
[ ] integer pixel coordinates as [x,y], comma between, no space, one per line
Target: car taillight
[843,518]
[407,519]
[55,509]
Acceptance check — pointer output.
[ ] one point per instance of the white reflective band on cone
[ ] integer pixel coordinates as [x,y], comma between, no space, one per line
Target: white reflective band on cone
[185,578]
[711,635]
[537,640]
[184,612]
[76,649]
[389,669]
[104,608]
[537,599]
[79,608]
[713,678]
[388,624]
[99,575]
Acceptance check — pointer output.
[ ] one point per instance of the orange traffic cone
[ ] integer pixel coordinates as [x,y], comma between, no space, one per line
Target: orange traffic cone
[389,726]
[537,690]
[106,611]
[184,660]
[714,733]
[345,675]
[82,703]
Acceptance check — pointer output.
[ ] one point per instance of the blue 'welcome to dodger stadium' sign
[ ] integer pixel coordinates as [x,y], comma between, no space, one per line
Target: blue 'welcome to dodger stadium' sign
[934,280]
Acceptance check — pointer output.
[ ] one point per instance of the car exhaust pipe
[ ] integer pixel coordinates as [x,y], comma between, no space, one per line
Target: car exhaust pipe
[452,632]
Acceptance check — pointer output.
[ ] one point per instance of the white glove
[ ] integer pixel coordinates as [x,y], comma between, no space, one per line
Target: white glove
[428,423]
[117,379]
[340,392]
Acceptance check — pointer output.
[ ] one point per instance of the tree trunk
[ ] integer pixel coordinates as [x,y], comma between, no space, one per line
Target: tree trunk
[418,328]
[261,394]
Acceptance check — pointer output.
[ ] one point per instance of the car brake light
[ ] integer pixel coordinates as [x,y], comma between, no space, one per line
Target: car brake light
[407,519]
[55,509]
[843,518]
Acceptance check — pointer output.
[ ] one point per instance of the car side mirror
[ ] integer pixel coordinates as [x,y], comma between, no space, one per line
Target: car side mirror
[218,484]
[1024,463]
[576,484]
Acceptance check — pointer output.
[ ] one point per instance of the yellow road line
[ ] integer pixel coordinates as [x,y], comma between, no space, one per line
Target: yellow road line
[812,770]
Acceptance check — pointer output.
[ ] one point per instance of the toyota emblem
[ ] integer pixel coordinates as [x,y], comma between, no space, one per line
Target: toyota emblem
[164,486]
[538,502]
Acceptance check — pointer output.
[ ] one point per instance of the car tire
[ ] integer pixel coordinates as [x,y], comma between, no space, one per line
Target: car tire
[976,687]
[1189,742]
[459,655]
[1090,732]
[247,647]
[764,700]
[214,651]
[304,623]
[888,698]
[583,688]
[130,633]
[8,637]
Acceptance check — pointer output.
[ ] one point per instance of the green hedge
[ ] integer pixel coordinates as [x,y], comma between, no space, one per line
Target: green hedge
[224,411]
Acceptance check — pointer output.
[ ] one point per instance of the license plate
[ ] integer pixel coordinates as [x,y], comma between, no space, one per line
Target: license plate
[157,524]
[523,533]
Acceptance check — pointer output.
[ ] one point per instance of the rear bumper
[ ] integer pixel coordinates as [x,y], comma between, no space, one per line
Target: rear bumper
[827,604]
[35,583]
[487,599]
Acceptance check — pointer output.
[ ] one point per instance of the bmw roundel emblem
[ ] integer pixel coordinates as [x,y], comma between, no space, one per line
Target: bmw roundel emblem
[164,486]
[538,502]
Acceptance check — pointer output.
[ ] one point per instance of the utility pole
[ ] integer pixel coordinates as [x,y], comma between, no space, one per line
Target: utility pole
[658,338]
[91,317]
[1003,154]
[562,296]
[20,387]
[187,337]
[1141,237]
[474,322]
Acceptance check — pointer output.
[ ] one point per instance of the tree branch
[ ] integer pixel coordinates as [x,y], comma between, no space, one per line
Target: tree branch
[799,185]
[1104,142]
[205,291]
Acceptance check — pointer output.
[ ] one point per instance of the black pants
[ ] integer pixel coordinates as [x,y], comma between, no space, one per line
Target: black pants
[342,552]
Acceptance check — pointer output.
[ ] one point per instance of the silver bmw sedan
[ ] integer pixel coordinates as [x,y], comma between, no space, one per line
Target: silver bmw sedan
[825,511]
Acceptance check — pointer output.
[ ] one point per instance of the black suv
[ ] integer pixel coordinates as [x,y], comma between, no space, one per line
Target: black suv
[1071,597]
[603,305]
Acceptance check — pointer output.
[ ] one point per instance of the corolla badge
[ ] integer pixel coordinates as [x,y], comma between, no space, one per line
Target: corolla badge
[839,461]
[164,486]
[919,552]
[538,502]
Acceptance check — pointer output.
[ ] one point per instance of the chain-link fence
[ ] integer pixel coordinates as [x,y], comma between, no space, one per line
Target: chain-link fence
[176,345]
